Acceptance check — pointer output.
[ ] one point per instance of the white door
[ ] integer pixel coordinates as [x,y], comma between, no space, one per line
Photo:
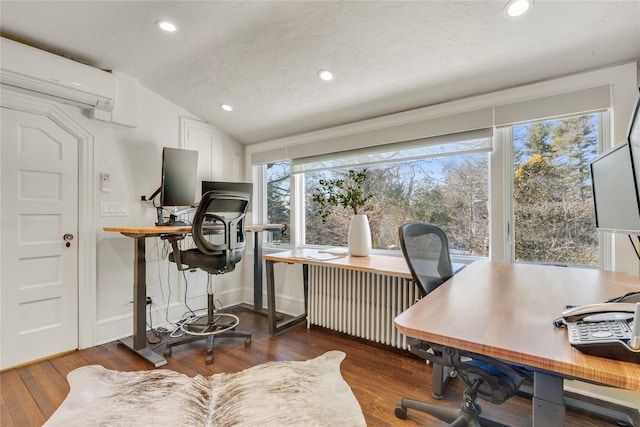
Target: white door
[39,252]
[200,137]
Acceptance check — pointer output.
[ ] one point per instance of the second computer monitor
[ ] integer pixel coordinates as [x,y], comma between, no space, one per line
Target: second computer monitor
[244,187]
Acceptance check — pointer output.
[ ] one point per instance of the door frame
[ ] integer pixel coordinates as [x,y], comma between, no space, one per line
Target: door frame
[87,237]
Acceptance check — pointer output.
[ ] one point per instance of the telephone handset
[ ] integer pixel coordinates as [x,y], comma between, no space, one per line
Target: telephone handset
[599,312]
[606,330]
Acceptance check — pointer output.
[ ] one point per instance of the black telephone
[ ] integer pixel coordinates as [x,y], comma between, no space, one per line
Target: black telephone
[606,330]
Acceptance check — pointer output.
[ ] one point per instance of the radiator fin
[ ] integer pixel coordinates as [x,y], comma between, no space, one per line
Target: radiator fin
[359,303]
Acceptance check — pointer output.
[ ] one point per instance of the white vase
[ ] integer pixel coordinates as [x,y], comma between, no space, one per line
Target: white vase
[359,239]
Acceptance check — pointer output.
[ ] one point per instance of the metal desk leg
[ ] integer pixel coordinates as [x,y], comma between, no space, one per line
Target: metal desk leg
[138,342]
[305,283]
[257,275]
[548,400]
[274,327]
[271,298]
[609,415]
[257,272]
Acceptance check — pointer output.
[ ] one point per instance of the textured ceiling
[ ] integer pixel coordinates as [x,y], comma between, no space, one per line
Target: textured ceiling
[262,57]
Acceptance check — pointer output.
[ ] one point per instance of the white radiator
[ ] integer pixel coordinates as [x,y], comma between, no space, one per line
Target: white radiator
[359,304]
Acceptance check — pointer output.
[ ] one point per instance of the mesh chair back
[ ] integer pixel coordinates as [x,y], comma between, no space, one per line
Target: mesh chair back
[218,225]
[426,250]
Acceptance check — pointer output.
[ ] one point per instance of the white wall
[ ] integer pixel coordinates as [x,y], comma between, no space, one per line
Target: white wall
[133,158]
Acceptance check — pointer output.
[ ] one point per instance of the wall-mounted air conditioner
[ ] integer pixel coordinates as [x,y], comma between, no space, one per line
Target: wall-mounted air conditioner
[39,73]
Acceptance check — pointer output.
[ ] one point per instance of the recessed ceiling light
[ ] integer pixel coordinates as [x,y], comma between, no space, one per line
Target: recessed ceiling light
[167,26]
[226,107]
[326,75]
[517,8]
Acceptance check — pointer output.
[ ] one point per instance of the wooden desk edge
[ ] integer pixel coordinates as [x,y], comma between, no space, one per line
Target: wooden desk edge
[341,262]
[614,375]
[159,230]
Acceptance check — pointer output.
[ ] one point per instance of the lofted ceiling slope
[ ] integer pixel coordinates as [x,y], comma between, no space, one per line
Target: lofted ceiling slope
[261,57]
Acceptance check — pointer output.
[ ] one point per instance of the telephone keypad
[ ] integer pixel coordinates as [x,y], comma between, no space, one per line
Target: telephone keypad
[597,331]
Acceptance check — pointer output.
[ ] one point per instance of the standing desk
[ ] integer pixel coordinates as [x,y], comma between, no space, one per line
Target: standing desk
[506,311]
[379,264]
[138,342]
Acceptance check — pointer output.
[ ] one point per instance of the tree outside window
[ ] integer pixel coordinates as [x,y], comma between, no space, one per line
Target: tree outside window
[278,198]
[451,192]
[553,204]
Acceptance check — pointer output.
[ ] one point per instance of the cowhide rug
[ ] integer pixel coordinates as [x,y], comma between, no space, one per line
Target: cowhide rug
[309,393]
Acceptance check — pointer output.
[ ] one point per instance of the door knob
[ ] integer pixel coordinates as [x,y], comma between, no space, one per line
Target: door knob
[67,238]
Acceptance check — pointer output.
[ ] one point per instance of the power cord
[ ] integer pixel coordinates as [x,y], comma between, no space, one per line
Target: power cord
[167,301]
[186,292]
[178,332]
[634,246]
[155,332]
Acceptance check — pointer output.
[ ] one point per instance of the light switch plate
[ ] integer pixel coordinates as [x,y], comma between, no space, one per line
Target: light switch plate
[114,209]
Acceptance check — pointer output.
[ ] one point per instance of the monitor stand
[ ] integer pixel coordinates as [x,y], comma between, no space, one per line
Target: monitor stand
[173,220]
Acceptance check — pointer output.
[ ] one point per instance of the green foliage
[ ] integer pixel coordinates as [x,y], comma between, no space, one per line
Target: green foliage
[552,194]
[455,199]
[278,182]
[538,138]
[536,180]
[347,193]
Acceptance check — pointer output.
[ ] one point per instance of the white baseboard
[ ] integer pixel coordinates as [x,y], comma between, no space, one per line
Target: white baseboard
[286,304]
[627,398]
[118,327]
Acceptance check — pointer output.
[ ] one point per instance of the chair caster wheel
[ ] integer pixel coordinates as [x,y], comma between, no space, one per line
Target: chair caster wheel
[208,360]
[400,412]
[247,341]
[167,352]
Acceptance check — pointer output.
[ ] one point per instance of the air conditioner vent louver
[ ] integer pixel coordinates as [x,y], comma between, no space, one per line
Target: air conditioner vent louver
[39,73]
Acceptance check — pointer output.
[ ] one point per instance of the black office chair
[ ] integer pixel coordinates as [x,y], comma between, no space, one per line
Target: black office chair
[218,232]
[426,250]
[484,377]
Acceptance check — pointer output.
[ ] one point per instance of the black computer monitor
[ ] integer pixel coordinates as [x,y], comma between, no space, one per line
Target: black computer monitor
[178,183]
[615,191]
[245,187]
[179,177]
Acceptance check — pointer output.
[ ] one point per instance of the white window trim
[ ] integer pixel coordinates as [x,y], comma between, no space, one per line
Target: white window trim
[500,196]
[606,240]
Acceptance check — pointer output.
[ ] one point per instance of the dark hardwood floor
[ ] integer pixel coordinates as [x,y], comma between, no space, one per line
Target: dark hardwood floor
[379,377]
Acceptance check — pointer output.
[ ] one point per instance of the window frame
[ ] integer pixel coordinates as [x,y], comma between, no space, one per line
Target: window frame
[621,82]
[501,208]
[504,140]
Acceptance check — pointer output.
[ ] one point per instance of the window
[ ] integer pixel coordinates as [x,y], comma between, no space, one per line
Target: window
[451,192]
[278,198]
[552,200]
[523,195]
[442,180]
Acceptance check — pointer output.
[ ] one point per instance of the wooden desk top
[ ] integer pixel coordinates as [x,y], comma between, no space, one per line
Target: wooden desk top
[154,230]
[506,311]
[387,265]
